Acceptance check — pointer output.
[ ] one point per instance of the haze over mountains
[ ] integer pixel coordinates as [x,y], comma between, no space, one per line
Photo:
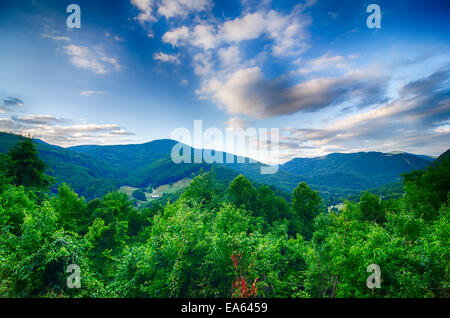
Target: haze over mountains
[93,171]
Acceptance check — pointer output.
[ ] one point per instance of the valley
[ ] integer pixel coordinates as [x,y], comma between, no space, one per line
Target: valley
[156,193]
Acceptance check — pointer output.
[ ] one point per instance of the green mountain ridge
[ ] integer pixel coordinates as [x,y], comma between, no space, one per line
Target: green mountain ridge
[93,170]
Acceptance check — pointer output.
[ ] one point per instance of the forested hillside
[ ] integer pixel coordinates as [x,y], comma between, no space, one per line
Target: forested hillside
[88,176]
[355,170]
[93,171]
[220,239]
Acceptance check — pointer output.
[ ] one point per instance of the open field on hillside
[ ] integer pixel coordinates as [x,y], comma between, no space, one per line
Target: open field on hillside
[159,191]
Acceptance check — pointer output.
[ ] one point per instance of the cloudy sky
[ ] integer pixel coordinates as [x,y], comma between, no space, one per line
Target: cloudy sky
[138,69]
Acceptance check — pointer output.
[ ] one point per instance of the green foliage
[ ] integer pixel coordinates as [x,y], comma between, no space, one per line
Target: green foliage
[34,263]
[371,208]
[73,213]
[216,237]
[426,190]
[139,195]
[242,192]
[307,204]
[25,167]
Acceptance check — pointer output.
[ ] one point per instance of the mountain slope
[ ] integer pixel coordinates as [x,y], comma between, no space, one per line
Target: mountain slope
[94,170]
[88,176]
[354,170]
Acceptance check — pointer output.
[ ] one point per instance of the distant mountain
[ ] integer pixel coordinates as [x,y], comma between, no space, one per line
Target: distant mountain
[360,170]
[145,164]
[87,175]
[336,174]
[94,170]
[396,152]
[444,155]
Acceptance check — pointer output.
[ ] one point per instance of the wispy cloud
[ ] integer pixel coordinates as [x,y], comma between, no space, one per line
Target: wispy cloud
[35,119]
[287,31]
[174,8]
[64,132]
[236,81]
[248,92]
[10,104]
[145,8]
[325,63]
[423,106]
[55,37]
[114,37]
[83,57]
[88,93]
[237,123]
[149,9]
[169,58]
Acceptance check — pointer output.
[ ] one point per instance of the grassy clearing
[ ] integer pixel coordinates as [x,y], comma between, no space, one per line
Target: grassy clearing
[161,190]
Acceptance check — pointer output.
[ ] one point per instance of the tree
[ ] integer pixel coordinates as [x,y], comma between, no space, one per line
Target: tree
[307,204]
[426,190]
[73,212]
[242,192]
[203,188]
[371,208]
[26,168]
[139,195]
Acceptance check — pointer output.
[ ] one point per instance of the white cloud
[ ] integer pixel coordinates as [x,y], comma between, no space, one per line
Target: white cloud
[326,62]
[118,38]
[83,57]
[176,36]
[416,121]
[37,119]
[149,9]
[233,79]
[236,94]
[169,58]
[288,32]
[202,36]
[248,27]
[237,123]
[173,8]
[202,63]
[229,56]
[146,10]
[113,61]
[248,92]
[58,131]
[115,37]
[55,37]
[87,93]
[6,124]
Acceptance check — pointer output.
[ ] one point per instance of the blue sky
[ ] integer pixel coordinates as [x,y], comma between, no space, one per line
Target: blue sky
[138,69]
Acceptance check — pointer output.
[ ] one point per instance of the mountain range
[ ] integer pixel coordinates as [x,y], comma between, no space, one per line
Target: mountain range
[94,170]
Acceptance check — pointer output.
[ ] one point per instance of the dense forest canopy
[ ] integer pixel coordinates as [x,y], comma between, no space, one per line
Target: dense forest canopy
[220,239]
